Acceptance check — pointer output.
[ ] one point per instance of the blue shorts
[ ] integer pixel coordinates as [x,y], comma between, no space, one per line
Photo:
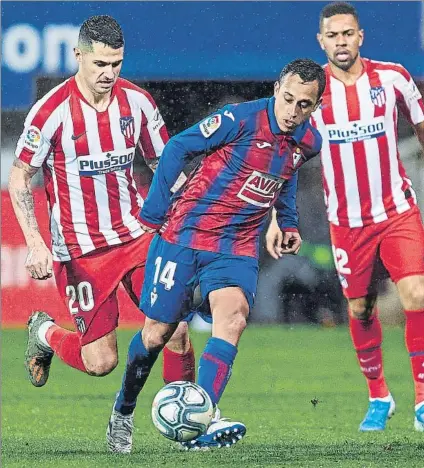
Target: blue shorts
[172,271]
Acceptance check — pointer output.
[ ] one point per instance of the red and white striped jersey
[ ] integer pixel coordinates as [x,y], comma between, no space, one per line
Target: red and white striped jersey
[364,179]
[87,158]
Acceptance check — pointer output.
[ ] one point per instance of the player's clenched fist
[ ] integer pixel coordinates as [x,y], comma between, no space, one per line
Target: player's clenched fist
[291,242]
[280,242]
[39,262]
[147,228]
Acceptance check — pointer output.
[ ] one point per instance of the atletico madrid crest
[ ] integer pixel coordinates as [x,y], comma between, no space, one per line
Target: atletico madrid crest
[378,96]
[127,126]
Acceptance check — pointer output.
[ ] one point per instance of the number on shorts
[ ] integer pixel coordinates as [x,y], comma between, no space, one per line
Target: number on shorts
[166,277]
[341,259]
[83,293]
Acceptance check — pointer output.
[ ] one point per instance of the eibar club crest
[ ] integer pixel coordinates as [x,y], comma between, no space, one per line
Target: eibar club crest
[378,96]
[127,126]
[296,156]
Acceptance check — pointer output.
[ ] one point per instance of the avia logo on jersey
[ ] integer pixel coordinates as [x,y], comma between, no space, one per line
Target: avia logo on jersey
[356,131]
[260,189]
[210,125]
[103,163]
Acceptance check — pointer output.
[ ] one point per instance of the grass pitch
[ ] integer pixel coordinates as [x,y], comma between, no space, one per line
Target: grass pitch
[278,372]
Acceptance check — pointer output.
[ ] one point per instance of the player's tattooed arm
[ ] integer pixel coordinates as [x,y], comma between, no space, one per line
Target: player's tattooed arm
[39,261]
[21,193]
[419,130]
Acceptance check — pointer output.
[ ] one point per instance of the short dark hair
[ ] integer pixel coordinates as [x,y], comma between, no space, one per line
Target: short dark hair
[337,8]
[103,29]
[308,70]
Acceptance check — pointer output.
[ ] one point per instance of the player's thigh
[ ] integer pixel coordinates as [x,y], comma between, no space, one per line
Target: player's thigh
[89,296]
[134,278]
[235,276]
[411,292]
[402,246]
[355,252]
[167,289]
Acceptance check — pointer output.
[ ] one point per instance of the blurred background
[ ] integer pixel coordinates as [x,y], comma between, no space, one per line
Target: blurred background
[194,57]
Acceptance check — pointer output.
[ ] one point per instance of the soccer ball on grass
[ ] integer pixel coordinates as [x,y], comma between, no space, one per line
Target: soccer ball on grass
[182,411]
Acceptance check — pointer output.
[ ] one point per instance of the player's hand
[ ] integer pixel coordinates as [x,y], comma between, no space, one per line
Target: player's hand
[39,262]
[147,228]
[291,243]
[273,240]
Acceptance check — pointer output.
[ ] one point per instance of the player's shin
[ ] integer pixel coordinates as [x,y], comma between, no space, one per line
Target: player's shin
[414,338]
[178,366]
[367,338]
[215,367]
[139,364]
[66,345]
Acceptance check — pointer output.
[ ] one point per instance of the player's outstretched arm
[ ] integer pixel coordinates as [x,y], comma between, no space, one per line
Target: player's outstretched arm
[39,262]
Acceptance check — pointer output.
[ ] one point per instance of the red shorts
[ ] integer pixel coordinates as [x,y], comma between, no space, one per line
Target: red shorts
[88,285]
[366,254]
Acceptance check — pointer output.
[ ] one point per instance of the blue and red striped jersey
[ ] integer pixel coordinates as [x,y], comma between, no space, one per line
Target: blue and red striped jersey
[250,166]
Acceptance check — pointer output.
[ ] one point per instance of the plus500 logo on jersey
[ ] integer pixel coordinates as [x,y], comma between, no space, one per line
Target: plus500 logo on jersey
[356,131]
[103,163]
[260,189]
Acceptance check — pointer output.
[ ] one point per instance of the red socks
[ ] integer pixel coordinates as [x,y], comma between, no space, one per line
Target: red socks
[178,366]
[414,339]
[66,345]
[367,338]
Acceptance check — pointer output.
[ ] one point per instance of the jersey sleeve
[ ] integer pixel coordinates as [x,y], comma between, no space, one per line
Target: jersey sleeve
[213,132]
[408,97]
[35,142]
[287,215]
[153,135]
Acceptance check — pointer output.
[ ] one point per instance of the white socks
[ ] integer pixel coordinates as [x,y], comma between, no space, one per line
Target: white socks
[42,332]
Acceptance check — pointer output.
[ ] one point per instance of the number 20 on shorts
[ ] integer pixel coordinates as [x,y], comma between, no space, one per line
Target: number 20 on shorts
[83,294]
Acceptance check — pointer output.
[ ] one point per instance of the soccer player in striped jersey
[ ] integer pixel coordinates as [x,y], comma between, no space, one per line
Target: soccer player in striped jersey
[84,134]
[254,150]
[372,208]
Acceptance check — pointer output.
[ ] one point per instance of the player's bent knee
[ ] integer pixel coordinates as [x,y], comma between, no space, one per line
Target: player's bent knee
[100,366]
[415,298]
[238,323]
[157,334]
[362,308]
[360,313]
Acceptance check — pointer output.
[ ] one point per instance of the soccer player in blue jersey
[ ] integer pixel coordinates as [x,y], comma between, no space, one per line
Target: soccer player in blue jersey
[210,233]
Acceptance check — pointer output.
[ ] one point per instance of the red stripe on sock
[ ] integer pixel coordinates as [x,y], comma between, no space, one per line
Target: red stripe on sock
[221,372]
[66,345]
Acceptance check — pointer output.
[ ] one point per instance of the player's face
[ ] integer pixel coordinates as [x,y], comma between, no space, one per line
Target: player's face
[100,67]
[341,38]
[295,101]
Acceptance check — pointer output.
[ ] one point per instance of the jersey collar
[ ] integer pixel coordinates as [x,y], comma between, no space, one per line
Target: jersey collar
[297,135]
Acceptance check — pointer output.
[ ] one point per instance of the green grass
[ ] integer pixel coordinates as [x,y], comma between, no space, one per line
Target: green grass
[277,373]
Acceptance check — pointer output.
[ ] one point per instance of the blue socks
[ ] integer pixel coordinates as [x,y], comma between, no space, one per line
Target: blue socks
[139,363]
[215,367]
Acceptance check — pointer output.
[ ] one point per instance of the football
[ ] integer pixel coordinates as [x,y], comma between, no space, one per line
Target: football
[182,411]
